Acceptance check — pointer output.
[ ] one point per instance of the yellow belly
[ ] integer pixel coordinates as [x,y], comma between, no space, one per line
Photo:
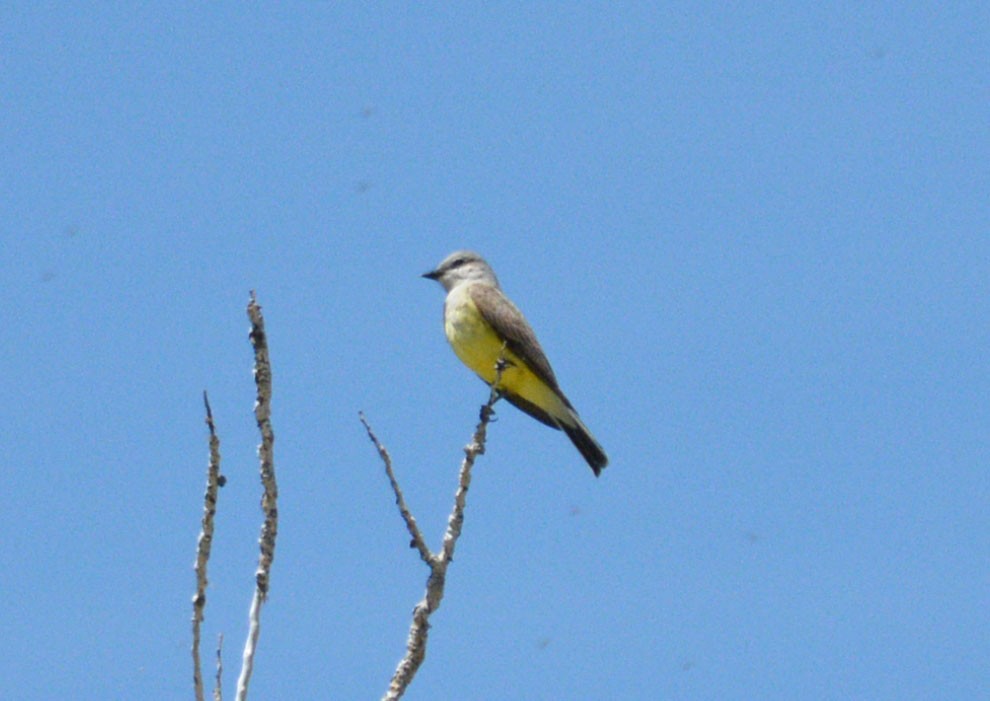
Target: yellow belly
[479,347]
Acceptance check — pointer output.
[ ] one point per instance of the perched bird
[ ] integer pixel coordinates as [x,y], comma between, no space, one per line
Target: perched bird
[482,325]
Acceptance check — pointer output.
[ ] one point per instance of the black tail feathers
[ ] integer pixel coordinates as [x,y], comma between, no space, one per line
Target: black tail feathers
[587,445]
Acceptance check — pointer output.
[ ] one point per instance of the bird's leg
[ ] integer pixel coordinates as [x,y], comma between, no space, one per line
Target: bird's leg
[488,410]
[501,365]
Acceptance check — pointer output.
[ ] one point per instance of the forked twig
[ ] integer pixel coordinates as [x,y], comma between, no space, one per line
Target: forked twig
[437,562]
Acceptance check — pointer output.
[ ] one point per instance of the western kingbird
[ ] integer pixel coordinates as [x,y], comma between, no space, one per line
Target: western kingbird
[482,325]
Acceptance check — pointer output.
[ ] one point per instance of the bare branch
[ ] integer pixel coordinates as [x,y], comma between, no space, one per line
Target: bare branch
[438,563]
[269,500]
[214,480]
[217,689]
[417,536]
[471,451]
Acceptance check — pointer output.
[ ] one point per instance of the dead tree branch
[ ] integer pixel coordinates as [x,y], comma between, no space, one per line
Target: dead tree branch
[437,562]
[269,499]
[214,480]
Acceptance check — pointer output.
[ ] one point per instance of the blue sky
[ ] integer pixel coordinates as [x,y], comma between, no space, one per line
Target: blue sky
[753,240]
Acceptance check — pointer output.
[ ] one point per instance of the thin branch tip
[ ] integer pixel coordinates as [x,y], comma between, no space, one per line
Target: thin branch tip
[214,480]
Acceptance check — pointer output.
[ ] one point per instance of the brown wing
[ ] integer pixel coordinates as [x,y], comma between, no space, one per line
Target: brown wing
[510,324]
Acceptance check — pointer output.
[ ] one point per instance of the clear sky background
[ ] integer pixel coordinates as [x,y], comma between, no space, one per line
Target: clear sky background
[754,242]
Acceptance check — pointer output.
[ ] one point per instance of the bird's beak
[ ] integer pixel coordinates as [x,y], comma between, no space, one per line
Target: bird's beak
[432,275]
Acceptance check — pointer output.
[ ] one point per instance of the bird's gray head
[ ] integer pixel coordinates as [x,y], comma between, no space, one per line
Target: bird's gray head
[462,266]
